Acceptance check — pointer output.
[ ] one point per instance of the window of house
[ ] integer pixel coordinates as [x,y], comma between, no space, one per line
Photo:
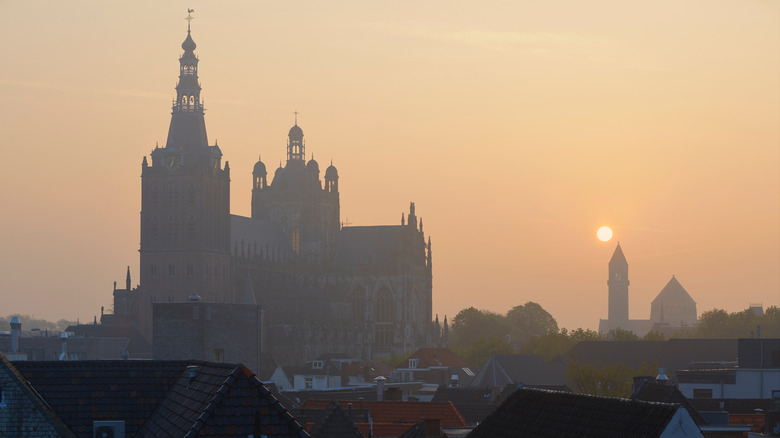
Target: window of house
[702,393]
[413,363]
[153,271]
[219,355]
[308,383]
[2,397]
[317,365]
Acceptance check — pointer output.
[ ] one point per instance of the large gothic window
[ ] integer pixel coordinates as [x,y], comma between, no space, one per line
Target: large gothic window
[154,194]
[173,228]
[191,195]
[191,228]
[358,305]
[173,194]
[155,228]
[383,306]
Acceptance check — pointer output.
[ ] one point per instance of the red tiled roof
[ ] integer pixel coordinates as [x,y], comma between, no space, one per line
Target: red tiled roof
[437,357]
[406,412]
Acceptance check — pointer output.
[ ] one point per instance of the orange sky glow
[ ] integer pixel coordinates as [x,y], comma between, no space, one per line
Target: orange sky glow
[517,128]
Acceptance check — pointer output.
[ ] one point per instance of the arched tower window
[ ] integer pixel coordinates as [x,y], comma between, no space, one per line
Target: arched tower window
[154,194]
[173,194]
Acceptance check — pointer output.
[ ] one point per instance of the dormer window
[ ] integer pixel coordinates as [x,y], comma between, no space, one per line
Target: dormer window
[317,365]
[413,363]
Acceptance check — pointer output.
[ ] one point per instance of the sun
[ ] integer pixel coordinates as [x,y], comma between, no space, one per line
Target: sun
[604,234]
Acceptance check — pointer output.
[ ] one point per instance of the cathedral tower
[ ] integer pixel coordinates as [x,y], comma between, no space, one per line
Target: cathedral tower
[185,206]
[306,212]
[618,289]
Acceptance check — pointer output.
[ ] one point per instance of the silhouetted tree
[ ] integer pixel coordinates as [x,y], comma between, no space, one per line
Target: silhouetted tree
[471,325]
[531,319]
[612,380]
[477,353]
[553,344]
[619,334]
[717,323]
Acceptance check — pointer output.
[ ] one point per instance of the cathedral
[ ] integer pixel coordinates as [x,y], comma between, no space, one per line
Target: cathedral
[364,291]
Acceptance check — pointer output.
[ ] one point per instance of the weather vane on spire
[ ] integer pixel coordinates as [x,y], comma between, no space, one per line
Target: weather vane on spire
[189,18]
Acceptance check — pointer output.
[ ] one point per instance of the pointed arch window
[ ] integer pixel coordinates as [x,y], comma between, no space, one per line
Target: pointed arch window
[383,306]
[358,305]
[173,194]
[191,195]
[173,228]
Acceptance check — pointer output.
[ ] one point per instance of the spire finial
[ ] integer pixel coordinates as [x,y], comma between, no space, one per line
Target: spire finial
[296,117]
[189,18]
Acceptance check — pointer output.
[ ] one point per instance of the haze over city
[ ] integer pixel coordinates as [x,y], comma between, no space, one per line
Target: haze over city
[517,129]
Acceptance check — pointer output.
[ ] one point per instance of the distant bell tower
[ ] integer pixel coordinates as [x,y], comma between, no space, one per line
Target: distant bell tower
[618,289]
[185,206]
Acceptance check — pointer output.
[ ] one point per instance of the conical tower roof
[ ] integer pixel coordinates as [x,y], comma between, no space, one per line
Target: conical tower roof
[617,257]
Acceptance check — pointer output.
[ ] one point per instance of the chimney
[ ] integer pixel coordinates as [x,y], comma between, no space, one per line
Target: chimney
[380,388]
[16,330]
[64,354]
[661,377]
[431,427]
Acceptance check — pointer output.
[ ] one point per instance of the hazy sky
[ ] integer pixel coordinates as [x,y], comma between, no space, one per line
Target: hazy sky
[517,127]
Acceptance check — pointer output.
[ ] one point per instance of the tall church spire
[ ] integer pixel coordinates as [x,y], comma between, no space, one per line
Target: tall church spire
[188,127]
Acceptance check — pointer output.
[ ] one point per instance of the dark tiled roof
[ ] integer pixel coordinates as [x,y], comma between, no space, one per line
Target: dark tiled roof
[335,424]
[81,392]
[389,411]
[474,404]
[373,245]
[651,391]
[158,399]
[550,414]
[36,400]
[528,369]
[220,401]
